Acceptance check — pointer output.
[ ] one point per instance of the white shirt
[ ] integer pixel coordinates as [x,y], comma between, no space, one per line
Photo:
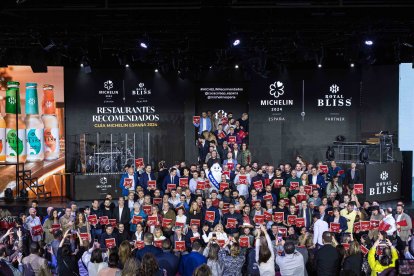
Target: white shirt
[314,179]
[120,212]
[319,227]
[243,189]
[391,221]
[219,235]
[203,124]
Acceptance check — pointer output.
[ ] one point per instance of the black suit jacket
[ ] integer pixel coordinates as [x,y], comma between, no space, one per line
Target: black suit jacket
[327,261]
[169,262]
[351,181]
[125,216]
[202,151]
[148,249]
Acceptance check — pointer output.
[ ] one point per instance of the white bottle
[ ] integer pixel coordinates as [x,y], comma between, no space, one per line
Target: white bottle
[51,124]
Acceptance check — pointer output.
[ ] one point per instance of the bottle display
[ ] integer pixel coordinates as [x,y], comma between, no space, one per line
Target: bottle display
[15,127]
[34,125]
[2,138]
[51,124]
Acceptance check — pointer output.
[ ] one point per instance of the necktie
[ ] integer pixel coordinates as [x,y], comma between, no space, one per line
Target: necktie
[172,180]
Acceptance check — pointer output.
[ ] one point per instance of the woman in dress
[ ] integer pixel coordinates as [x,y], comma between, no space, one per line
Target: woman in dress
[47,225]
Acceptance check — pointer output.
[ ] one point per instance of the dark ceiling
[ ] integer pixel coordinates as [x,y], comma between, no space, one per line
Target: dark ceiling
[187,35]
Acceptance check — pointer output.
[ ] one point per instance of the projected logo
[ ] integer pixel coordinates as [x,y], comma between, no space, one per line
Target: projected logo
[103,184]
[141,90]
[277,89]
[108,91]
[108,85]
[334,88]
[277,103]
[384,176]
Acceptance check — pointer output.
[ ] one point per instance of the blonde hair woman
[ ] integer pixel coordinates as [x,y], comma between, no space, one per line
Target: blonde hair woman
[217,234]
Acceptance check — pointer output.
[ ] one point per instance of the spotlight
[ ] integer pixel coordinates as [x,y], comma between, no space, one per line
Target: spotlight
[369,42]
[143,45]
[236,42]
[81,65]
[352,65]
[127,65]
[319,65]
[156,70]
[211,67]
[236,66]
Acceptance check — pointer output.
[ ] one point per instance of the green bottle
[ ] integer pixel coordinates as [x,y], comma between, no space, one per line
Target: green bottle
[34,125]
[15,129]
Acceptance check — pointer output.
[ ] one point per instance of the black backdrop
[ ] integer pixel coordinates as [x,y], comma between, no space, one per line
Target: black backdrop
[275,135]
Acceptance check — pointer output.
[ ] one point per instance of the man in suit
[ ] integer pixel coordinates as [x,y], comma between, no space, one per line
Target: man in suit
[190,262]
[168,260]
[145,176]
[306,212]
[327,257]
[403,231]
[121,213]
[237,155]
[352,176]
[316,178]
[335,170]
[204,124]
[171,178]
[148,248]
[131,174]
[203,149]
[109,234]
[209,207]
[193,232]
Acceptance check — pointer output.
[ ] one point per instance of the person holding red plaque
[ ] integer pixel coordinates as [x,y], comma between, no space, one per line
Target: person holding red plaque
[242,182]
[202,123]
[146,176]
[109,234]
[34,225]
[217,234]
[236,220]
[167,214]
[211,213]
[50,225]
[404,224]
[129,174]
[137,216]
[339,222]
[171,178]
[230,162]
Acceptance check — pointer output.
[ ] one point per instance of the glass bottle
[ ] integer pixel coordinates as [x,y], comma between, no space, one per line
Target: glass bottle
[51,124]
[34,125]
[15,139]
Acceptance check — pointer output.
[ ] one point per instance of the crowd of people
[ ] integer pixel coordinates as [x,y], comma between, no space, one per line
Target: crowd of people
[301,219]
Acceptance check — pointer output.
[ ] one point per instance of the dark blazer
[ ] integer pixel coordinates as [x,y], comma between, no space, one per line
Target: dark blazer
[351,181]
[143,181]
[169,262]
[190,262]
[353,263]
[105,236]
[125,216]
[167,180]
[202,151]
[148,249]
[327,261]
[342,221]
[308,220]
[319,180]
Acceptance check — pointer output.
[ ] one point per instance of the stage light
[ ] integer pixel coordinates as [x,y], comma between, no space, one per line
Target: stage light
[127,65]
[81,65]
[236,66]
[319,65]
[352,65]
[369,42]
[143,45]
[211,67]
[156,70]
[236,42]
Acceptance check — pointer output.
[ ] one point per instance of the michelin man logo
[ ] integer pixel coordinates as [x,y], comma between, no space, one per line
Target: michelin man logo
[384,176]
[214,175]
[334,88]
[277,89]
[108,84]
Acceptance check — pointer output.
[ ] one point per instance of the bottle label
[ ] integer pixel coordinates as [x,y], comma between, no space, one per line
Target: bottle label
[34,141]
[14,144]
[51,136]
[2,141]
